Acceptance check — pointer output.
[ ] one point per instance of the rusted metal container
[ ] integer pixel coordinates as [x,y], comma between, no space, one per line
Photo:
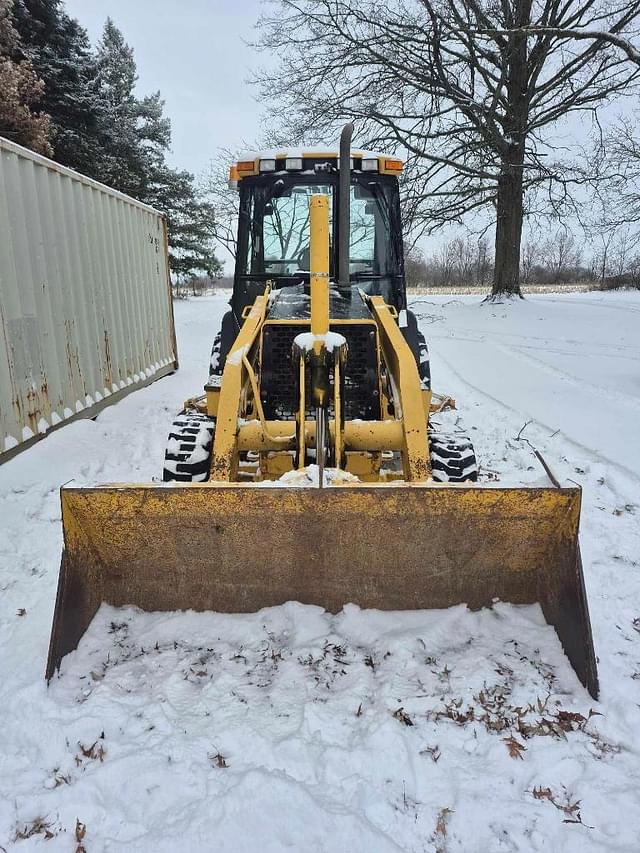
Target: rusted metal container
[85,297]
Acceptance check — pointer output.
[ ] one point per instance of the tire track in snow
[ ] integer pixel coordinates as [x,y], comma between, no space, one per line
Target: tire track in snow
[558,373]
[599,303]
[478,335]
[590,451]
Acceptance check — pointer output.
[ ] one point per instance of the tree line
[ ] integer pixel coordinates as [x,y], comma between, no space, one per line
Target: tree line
[465,261]
[477,95]
[65,99]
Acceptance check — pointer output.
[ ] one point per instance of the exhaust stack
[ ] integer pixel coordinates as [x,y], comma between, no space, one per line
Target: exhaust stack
[344,206]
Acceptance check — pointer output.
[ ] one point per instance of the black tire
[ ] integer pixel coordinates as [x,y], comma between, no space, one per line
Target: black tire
[216,364]
[187,458]
[453,459]
[424,365]
[222,344]
[418,344]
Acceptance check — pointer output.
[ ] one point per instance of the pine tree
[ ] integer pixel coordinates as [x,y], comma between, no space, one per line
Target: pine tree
[115,82]
[99,126]
[190,221]
[134,137]
[20,91]
[60,51]
[134,133]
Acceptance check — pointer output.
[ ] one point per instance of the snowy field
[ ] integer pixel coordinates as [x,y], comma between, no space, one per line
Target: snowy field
[295,730]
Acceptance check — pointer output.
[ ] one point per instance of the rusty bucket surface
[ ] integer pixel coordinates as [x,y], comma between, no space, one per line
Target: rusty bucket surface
[237,548]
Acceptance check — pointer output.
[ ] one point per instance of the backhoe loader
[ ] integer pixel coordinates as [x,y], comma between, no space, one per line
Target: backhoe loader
[320,377]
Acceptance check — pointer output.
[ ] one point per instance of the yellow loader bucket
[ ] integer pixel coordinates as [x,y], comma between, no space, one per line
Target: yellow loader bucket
[237,548]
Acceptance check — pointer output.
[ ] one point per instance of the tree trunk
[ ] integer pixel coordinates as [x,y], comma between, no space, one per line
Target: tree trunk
[510,202]
[506,274]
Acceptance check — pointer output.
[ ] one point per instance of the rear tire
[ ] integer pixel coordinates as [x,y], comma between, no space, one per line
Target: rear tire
[453,459]
[222,344]
[418,345]
[187,458]
[424,365]
[215,363]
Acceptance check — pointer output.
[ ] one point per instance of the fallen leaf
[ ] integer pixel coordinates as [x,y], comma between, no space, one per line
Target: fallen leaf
[515,747]
[567,719]
[219,760]
[441,825]
[433,752]
[401,715]
[542,794]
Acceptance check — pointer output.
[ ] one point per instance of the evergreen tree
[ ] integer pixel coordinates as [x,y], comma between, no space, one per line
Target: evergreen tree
[134,137]
[60,51]
[99,126]
[190,221]
[20,91]
[134,133]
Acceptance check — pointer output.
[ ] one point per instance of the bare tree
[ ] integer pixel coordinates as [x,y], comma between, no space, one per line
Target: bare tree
[470,89]
[214,186]
[415,268]
[463,260]
[484,262]
[618,157]
[614,209]
[561,255]
[621,251]
[530,257]
[617,263]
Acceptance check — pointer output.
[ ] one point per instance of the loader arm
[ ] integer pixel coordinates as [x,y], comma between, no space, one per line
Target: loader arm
[407,392]
[224,462]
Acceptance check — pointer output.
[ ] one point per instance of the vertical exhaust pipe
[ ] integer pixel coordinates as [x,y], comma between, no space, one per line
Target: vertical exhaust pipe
[344,206]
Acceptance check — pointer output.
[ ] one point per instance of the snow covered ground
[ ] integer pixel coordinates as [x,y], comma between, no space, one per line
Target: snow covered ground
[293,729]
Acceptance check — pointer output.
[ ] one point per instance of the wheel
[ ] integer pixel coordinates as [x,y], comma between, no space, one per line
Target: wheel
[453,459]
[418,345]
[187,458]
[215,364]
[424,365]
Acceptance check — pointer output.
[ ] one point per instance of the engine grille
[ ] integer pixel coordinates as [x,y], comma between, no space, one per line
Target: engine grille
[279,381]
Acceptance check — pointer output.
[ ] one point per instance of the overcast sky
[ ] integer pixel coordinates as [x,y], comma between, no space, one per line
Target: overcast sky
[195,53]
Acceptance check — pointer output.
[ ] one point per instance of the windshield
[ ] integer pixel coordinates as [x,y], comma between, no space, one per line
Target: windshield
[274,232]
[285,232]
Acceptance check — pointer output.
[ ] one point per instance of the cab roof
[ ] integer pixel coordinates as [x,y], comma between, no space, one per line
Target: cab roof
[296,160]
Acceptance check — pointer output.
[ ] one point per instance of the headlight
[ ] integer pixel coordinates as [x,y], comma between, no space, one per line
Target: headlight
[370,164]
[293,163]
[267,165]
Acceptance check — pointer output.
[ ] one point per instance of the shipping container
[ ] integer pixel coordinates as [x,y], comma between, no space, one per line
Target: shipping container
[85,296]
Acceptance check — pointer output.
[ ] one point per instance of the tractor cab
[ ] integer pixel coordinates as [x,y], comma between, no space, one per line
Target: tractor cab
[274,234]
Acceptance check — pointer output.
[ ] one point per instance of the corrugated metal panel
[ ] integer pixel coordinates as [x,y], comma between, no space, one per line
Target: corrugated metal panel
[85,299]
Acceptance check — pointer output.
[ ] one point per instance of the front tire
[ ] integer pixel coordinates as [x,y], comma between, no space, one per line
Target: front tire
[187,457]
[453,459]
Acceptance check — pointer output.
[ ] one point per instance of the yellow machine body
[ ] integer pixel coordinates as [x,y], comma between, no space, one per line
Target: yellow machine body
[392,539]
